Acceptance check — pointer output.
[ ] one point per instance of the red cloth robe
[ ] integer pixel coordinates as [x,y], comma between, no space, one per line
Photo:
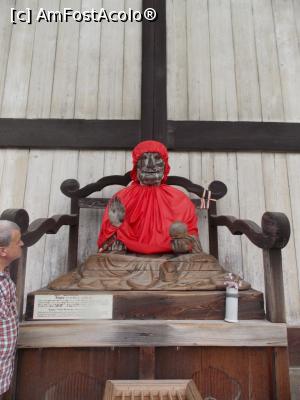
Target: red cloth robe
[149,211]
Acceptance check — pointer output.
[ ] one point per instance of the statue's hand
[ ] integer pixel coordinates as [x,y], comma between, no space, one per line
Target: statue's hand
[116,212]
[181,241]
[182,245]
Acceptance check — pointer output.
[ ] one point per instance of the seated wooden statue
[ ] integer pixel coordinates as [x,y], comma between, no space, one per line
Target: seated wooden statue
[149,237]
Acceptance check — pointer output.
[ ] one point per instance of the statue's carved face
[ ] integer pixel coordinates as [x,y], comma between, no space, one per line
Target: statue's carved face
[150,169]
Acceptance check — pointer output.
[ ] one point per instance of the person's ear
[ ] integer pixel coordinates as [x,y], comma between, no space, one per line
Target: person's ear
[3,252]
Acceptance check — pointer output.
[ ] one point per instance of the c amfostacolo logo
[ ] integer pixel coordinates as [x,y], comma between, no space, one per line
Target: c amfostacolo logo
[68,14]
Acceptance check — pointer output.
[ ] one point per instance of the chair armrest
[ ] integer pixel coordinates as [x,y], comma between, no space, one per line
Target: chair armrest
[31,233]
[43,226]
[274,232]
[272,236]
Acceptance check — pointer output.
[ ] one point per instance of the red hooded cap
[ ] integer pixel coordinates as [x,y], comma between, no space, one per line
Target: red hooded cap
[150,146]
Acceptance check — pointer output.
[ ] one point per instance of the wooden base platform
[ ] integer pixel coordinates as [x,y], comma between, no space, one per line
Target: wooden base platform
[72,360]
[209,305]
[257,333]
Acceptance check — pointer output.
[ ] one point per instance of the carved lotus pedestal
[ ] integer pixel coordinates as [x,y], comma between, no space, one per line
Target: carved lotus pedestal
[122,286]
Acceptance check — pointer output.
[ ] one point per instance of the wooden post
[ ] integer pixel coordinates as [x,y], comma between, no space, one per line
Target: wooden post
[213,232]
[147,363]
[280,367]
[73,237]
[274,289]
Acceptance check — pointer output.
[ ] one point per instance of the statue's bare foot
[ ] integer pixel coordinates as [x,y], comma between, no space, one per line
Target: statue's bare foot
[112,244]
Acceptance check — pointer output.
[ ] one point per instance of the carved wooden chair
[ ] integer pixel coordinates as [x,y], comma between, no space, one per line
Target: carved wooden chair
[271,237]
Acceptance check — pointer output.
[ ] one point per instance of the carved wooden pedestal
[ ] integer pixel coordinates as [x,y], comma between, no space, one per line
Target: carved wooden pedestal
[206,305]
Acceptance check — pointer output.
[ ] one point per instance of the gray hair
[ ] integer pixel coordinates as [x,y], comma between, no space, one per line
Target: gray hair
[6,228]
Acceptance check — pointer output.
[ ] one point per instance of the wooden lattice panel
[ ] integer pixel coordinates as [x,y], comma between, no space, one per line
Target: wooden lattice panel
[151,390]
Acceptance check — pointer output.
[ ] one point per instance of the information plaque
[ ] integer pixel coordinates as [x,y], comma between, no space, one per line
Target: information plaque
[80,306]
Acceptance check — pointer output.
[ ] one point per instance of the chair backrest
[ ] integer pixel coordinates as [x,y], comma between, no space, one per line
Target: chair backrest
[90,209]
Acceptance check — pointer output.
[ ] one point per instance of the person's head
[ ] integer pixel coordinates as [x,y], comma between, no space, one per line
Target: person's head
[10,242]
[150,163]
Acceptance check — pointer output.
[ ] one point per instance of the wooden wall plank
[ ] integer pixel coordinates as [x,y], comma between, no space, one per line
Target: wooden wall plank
[177,105]
[179,163]
[207,170]
[42,70]
[198,61]
[230,250]
[111,65]
[36,202]
[202,172]
[13,179]
[252,206]
[15,95]
[267,61]
[5,37]
[128,161]
[65,166]
[195,172]
[248,95]
[289,57]
[90,169]
[65,70]
[2,160]
[114,164]
[86,104]
[132,64]
[296,10]
[222,61]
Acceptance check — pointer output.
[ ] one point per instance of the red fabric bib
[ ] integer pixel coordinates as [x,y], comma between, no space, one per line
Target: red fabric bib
[150,210]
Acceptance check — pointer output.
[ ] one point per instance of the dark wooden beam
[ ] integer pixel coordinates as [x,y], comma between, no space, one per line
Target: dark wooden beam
[154,74]
[125,134]
[233,136]
[147,91]
[69,133]
[160,73]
